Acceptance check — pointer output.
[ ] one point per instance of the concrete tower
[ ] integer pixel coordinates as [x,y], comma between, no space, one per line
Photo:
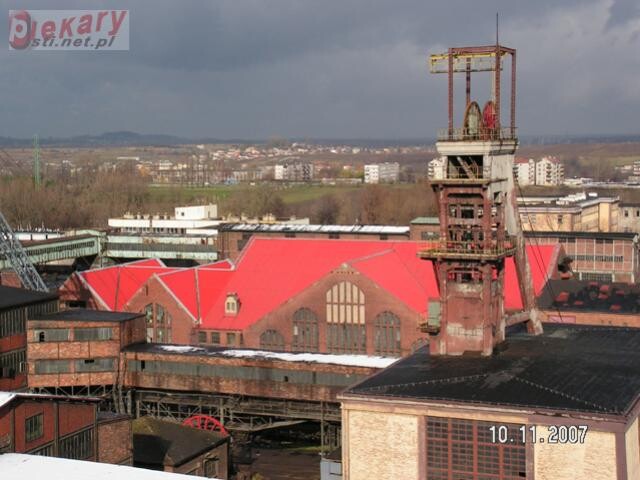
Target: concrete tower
[479,222]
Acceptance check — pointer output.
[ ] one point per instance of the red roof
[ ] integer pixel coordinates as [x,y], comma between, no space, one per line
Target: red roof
[197,288]
[114,286]
[271,271]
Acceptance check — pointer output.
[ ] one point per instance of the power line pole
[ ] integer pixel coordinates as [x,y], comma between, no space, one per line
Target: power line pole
[37,177]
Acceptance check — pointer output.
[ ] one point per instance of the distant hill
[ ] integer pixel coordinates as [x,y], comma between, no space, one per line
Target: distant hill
[133,139]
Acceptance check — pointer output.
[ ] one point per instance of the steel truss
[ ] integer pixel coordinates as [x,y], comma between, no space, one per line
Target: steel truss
[240,414]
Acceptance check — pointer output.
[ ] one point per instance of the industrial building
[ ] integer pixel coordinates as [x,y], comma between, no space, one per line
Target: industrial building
[171,447]
[62,426]
[579,212]
[352,296]
[596,256]
[16,305]
[80,347]
[629,218]
[233,237]
[495,395]
[185,221]
[558,406]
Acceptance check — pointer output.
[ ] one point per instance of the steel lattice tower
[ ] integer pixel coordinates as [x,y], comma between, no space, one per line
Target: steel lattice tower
[479,223]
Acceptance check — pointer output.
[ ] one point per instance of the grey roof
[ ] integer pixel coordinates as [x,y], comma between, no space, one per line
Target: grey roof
[87,315]
[568,368]
[11,297]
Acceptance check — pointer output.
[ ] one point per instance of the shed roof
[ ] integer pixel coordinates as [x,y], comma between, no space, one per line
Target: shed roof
[11,297]
[567,368]
[158,442]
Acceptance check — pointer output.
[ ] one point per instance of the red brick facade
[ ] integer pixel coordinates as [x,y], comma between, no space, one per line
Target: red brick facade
[314,298]
[60,362]
[48,424]
[181,323]
[114,440]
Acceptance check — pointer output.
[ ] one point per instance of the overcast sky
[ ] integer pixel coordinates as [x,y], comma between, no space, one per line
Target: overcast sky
[323,68]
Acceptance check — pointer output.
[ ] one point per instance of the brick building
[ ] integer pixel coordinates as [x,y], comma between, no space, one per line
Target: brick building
[79,347]
[49,425]
[363,297]
[573,392]
[424,228]
[115,438]
[602,257]
[16,305]
[232,238]
[171,447]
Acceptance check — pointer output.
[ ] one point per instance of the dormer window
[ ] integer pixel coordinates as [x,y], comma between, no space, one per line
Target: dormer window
[232,304]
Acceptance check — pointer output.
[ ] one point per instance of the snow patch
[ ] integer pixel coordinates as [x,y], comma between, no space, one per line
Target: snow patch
[182,349]
[6,397]
[349,360]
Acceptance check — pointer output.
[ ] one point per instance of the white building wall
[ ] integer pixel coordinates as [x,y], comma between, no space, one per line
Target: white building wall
[436,168]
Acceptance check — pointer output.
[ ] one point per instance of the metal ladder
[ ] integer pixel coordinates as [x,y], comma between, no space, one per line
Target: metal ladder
[11,249]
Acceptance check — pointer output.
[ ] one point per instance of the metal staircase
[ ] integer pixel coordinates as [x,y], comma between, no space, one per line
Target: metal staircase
[11,249]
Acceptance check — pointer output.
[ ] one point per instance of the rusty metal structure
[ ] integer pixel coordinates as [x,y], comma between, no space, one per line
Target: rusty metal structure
[479,222]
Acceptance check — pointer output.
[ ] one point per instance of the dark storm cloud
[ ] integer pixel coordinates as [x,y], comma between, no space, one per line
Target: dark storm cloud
[622,12]
[304,68]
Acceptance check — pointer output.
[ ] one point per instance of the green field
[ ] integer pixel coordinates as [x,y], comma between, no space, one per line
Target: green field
[290,194]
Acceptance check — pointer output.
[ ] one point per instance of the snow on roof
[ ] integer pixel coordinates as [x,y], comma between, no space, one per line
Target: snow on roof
[348,360]
[292,227]
[6,397]
[15,466]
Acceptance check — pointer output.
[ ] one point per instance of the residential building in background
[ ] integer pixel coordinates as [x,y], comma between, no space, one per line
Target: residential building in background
[387,172]
[580,212]
[549,171]
[294,172]
[436,168]
[524,171]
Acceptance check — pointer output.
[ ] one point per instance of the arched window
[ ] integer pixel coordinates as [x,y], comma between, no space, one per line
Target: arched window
[271,340]
[158,323]
[387,335]
[305,331]
[346,329]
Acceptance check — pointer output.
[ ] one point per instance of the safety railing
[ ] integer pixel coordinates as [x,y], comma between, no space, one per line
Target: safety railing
[468,248]
[481,134]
